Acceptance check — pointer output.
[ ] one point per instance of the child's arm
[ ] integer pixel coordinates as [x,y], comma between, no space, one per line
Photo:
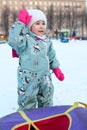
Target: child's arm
[17,39]
[17,33]
[54,64]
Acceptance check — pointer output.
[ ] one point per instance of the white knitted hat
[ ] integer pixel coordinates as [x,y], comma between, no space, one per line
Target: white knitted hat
[37,15]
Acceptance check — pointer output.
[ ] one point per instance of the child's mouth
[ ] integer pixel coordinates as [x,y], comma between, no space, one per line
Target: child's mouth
[41,31]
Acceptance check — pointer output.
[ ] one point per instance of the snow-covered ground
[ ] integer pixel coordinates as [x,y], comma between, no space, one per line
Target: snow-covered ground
[73,59]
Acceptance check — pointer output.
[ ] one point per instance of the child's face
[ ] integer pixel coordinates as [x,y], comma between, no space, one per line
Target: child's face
[39,28]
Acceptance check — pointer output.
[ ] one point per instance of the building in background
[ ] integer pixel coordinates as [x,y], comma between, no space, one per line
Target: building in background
[61,13]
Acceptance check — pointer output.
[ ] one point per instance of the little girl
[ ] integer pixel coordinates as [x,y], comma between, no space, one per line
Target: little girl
[36,59]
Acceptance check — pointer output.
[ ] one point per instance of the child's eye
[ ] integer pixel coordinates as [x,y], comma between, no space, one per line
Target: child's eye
[43,23]
[38,23]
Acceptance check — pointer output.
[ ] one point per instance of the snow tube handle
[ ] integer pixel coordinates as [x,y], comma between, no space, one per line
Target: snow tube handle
[77,104]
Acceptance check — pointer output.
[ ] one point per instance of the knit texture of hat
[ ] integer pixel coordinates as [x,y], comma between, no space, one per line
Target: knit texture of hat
[37,15]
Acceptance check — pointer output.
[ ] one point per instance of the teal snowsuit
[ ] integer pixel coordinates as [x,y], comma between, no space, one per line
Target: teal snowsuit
[36,59]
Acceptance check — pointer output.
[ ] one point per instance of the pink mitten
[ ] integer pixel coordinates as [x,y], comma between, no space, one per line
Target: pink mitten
[24,16]
[58,74]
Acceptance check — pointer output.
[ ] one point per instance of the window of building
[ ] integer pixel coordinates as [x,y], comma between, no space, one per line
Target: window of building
[21,2]
[30,7]
[70,4]
[11,8]
[74,4]
[78,4]
[54,3]
[35,2]
[45,8]
[30,2]
[54,9]
[16,8]
[62,3]
[15,2]
[66,4]
[25,3]
[40,3]
[45,3]
[58,3]
[10,2]
[4,2]
[49,3]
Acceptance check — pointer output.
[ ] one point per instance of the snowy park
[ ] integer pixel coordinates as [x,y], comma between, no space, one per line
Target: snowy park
[73,62]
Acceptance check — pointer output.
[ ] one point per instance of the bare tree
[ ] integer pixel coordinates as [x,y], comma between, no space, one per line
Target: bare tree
[50,16]
[82,22]
[14,15]
[86,22]
[5,19]
[59,17]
